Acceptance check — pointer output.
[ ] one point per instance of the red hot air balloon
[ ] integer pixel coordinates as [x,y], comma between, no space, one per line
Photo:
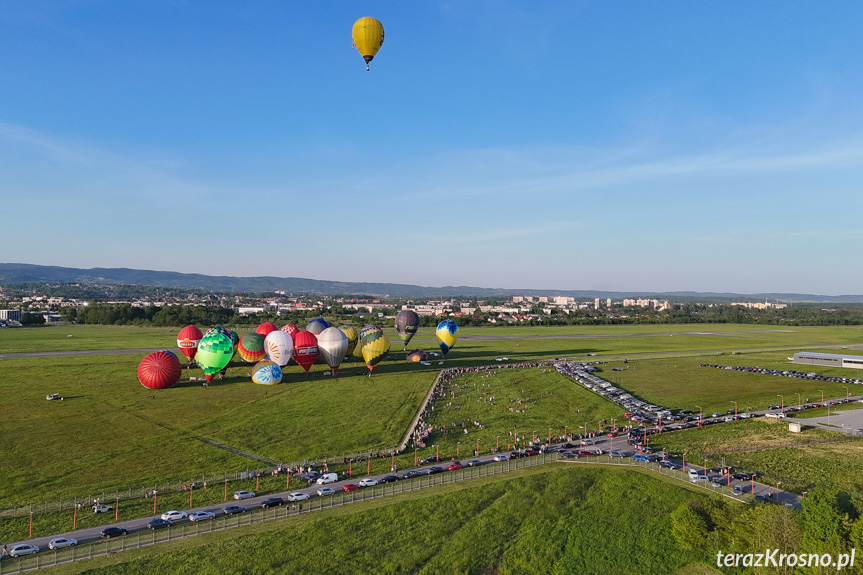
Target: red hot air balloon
[188,339]
[159,370]
[265,328]
[291,329]
[305,349]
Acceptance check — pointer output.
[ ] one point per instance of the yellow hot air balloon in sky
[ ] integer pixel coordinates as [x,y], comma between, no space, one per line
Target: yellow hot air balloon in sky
[368,35]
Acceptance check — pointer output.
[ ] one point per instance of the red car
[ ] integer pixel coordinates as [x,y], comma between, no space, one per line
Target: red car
[351,487]
[585,453]
[455,465]
[613,434]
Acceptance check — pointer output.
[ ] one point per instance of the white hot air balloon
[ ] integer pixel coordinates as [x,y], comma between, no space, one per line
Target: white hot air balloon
[279,346]
[332,345]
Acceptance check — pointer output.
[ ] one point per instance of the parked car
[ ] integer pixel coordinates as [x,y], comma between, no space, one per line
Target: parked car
[201,515]
[736,491]
[23,549]
[368,482]
[326,491]
[327,478]
[61,542]
[243,495]
[158,523]
[668,464]
[616,453]
[101,508]
[271,502]
[475,463]
[109,532]
[643,457]
[586,453]
[501,457]
[231,509]
[351,487]
[388,479]
[174,515]
[411,473]
[297,496]
[434,469]
[741,476]
[566,454]
[454,465]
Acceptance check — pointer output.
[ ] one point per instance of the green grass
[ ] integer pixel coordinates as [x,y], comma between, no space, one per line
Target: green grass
[558,520]
[117,437]
[679,383]
[799,461]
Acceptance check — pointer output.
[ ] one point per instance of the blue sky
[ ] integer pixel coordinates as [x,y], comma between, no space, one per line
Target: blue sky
[633,146]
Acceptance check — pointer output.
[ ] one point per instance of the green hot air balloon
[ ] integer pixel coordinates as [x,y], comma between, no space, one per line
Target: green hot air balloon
[214,353]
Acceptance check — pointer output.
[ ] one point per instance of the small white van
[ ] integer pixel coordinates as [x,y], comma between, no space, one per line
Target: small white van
[327,478]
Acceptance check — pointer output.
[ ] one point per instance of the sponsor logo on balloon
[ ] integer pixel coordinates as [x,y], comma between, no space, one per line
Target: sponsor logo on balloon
[187,343]
[307,350]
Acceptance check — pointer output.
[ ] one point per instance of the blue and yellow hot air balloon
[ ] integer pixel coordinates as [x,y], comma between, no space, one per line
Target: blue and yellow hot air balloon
[368,34]
[353,338]
[266,372]
[447,335]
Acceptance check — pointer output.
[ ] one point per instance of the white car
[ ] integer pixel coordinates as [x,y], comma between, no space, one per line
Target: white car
[501,457]
[101,508]
[326,491]
[297,496]
[23,549]
[243,495]
[174,515]
[368,482]
[61,542]
[53,396]
[201,516]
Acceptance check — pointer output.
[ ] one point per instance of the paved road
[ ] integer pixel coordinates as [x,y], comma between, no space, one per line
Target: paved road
[604,443]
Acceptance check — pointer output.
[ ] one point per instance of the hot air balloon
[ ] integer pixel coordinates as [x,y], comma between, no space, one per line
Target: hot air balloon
[407,322]
[251,348]
[279,346]
[376,345]
[266,372]
[235,338]
[368,36]
[214,353]
[265,328]
[447,335]
[305,349]
[217,329]
[316,326]
[159,370]
[417,355]
[188,339]
[291,329]
[332,345]
[353,338]
[368,329]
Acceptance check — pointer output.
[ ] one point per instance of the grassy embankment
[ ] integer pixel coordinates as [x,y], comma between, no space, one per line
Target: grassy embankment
[551,520]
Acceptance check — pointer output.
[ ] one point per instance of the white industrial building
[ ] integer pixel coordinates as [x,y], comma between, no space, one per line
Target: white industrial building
[828,359]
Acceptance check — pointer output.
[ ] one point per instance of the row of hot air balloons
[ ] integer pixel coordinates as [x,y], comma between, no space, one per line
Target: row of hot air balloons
[271,348]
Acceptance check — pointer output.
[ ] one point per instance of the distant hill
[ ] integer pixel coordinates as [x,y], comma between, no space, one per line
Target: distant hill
[14,273]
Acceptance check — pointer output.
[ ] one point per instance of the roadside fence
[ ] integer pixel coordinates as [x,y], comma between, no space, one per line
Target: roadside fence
[147,538]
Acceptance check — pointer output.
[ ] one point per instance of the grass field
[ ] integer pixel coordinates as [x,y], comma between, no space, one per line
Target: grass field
[552,520]
[113,435]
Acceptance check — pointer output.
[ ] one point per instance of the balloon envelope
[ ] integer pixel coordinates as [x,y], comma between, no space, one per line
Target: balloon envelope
[417,355]
[266,372]
[279,346]
[376,345]
[316,326]
[368,34]
[159,370]
[447,335]
[235,338]
[188,339]
[290,328]
[305,349]
[353,338]
[407,323]
[215,352]
[367,329]
[265,328]
[332,345]
[251,348]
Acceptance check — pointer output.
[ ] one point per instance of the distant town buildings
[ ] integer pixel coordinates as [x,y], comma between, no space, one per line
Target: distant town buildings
[759,305]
